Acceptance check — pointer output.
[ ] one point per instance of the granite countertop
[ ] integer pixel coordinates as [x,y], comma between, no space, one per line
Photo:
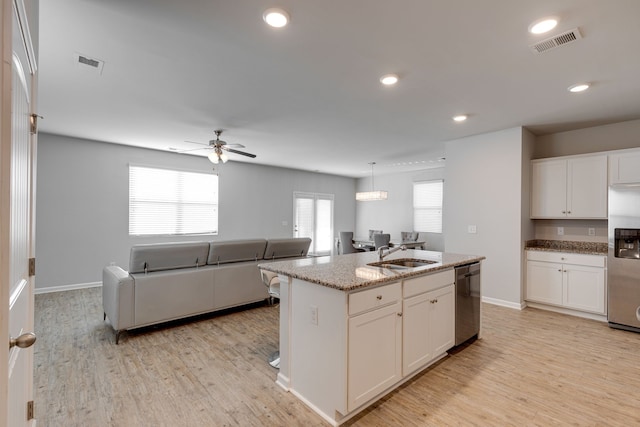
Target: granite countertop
[350,271]
[590,248]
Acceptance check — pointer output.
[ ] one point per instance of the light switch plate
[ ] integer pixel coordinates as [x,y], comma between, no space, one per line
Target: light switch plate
[560,231]
[592,231]
[471,229]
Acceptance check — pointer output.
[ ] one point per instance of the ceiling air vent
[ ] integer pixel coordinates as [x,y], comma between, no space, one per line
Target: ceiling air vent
[87,63]
[556,41]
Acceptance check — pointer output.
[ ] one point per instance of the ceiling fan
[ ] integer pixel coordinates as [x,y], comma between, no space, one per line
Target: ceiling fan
[219,147]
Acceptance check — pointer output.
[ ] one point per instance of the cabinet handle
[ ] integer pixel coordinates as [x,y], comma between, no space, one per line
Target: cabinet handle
[560,270]
[568,212]
[564,212]
[399,314]
[379,297]
[433,301]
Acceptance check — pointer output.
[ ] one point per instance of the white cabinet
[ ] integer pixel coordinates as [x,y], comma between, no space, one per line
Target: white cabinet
[573,187]
[574,281]
[544,282]
[374,344]
[624,167]
[428,325]
[394,331]
[342,350]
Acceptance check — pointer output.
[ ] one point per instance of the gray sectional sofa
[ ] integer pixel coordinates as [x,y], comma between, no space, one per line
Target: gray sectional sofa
[169,281]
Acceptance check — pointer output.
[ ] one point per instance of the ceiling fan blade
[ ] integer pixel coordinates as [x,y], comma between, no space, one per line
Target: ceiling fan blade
[231,150]
[199,143]
[234,145]
[193,149]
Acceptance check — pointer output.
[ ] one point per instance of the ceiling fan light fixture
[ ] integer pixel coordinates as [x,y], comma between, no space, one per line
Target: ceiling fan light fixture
[213,157]
[460,118]
[223,157]
[276,17]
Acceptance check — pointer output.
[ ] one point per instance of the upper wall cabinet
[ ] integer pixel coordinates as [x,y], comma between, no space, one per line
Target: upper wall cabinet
[624,168]
[569,187]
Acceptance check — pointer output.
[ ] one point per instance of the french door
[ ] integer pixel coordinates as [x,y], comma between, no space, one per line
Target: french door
[313,218]
[17,230]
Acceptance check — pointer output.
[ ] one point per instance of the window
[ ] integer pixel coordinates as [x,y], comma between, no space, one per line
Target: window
[427,206]
[172,202]
[313,216]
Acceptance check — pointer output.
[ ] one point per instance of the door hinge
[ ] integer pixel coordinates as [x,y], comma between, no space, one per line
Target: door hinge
[30,414]
[34,123]
[32,267]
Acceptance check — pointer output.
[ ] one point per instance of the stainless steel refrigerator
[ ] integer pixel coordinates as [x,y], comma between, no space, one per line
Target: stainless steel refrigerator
[623,263]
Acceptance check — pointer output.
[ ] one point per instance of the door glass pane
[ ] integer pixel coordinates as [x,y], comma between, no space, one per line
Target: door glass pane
[304,218]
[323,226]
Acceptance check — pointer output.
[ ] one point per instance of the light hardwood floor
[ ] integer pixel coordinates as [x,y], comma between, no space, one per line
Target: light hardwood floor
[531,368]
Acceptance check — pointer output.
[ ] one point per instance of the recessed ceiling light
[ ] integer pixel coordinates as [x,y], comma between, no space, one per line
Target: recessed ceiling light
[276,17]
[543,25]
[389,79]
[580,87]
[460,118]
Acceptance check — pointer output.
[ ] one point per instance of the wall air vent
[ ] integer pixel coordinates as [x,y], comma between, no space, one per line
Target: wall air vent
[556,41]
[88,64]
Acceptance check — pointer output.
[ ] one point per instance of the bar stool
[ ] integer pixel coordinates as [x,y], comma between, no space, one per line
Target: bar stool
[272,283]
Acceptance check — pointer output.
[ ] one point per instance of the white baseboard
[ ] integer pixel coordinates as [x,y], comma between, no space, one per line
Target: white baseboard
[49,289]
[503,303]
[584,314]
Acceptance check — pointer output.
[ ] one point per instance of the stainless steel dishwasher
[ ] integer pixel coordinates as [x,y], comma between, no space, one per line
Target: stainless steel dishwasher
[467,301]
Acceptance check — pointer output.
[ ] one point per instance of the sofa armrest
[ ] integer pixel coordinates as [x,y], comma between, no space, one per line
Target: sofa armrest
[118,297]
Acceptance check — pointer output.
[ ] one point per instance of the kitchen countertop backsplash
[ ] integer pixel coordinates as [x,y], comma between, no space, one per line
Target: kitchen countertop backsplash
[592,248]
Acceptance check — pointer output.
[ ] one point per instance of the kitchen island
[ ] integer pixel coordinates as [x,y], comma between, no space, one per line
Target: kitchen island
[350,332]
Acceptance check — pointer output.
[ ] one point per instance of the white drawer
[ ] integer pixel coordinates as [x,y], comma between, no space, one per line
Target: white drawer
[567,258]
[373,298]
[422,284]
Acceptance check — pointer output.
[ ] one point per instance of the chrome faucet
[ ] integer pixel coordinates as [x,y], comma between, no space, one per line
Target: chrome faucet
[381,249]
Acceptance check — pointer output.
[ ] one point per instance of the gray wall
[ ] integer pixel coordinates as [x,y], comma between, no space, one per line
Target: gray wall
[82,204]
[616,136]
[396,213]
[484,187]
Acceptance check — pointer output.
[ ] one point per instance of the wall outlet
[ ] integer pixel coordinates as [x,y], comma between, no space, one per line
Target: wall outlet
[560,231]
[313,310]
[471,229]
[592,231]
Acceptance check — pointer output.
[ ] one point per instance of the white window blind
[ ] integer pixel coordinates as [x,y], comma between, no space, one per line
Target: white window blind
[427,206]
[172,202]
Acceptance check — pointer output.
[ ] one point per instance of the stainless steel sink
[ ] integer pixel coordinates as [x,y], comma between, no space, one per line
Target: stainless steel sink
[401,264]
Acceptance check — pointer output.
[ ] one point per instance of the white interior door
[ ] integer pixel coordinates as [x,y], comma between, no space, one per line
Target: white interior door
[17,215]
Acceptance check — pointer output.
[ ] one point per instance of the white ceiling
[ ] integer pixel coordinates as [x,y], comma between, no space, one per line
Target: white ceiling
[308,95]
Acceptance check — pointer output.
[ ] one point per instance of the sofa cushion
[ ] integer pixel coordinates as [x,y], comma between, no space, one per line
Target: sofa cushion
[286,248]
[167,256]
[236,251]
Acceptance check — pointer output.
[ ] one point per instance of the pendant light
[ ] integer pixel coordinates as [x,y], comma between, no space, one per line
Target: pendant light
[367,196]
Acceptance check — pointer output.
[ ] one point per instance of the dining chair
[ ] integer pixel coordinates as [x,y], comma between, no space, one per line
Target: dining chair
[373,232]
[381,240]
[409,236]
[346,243]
